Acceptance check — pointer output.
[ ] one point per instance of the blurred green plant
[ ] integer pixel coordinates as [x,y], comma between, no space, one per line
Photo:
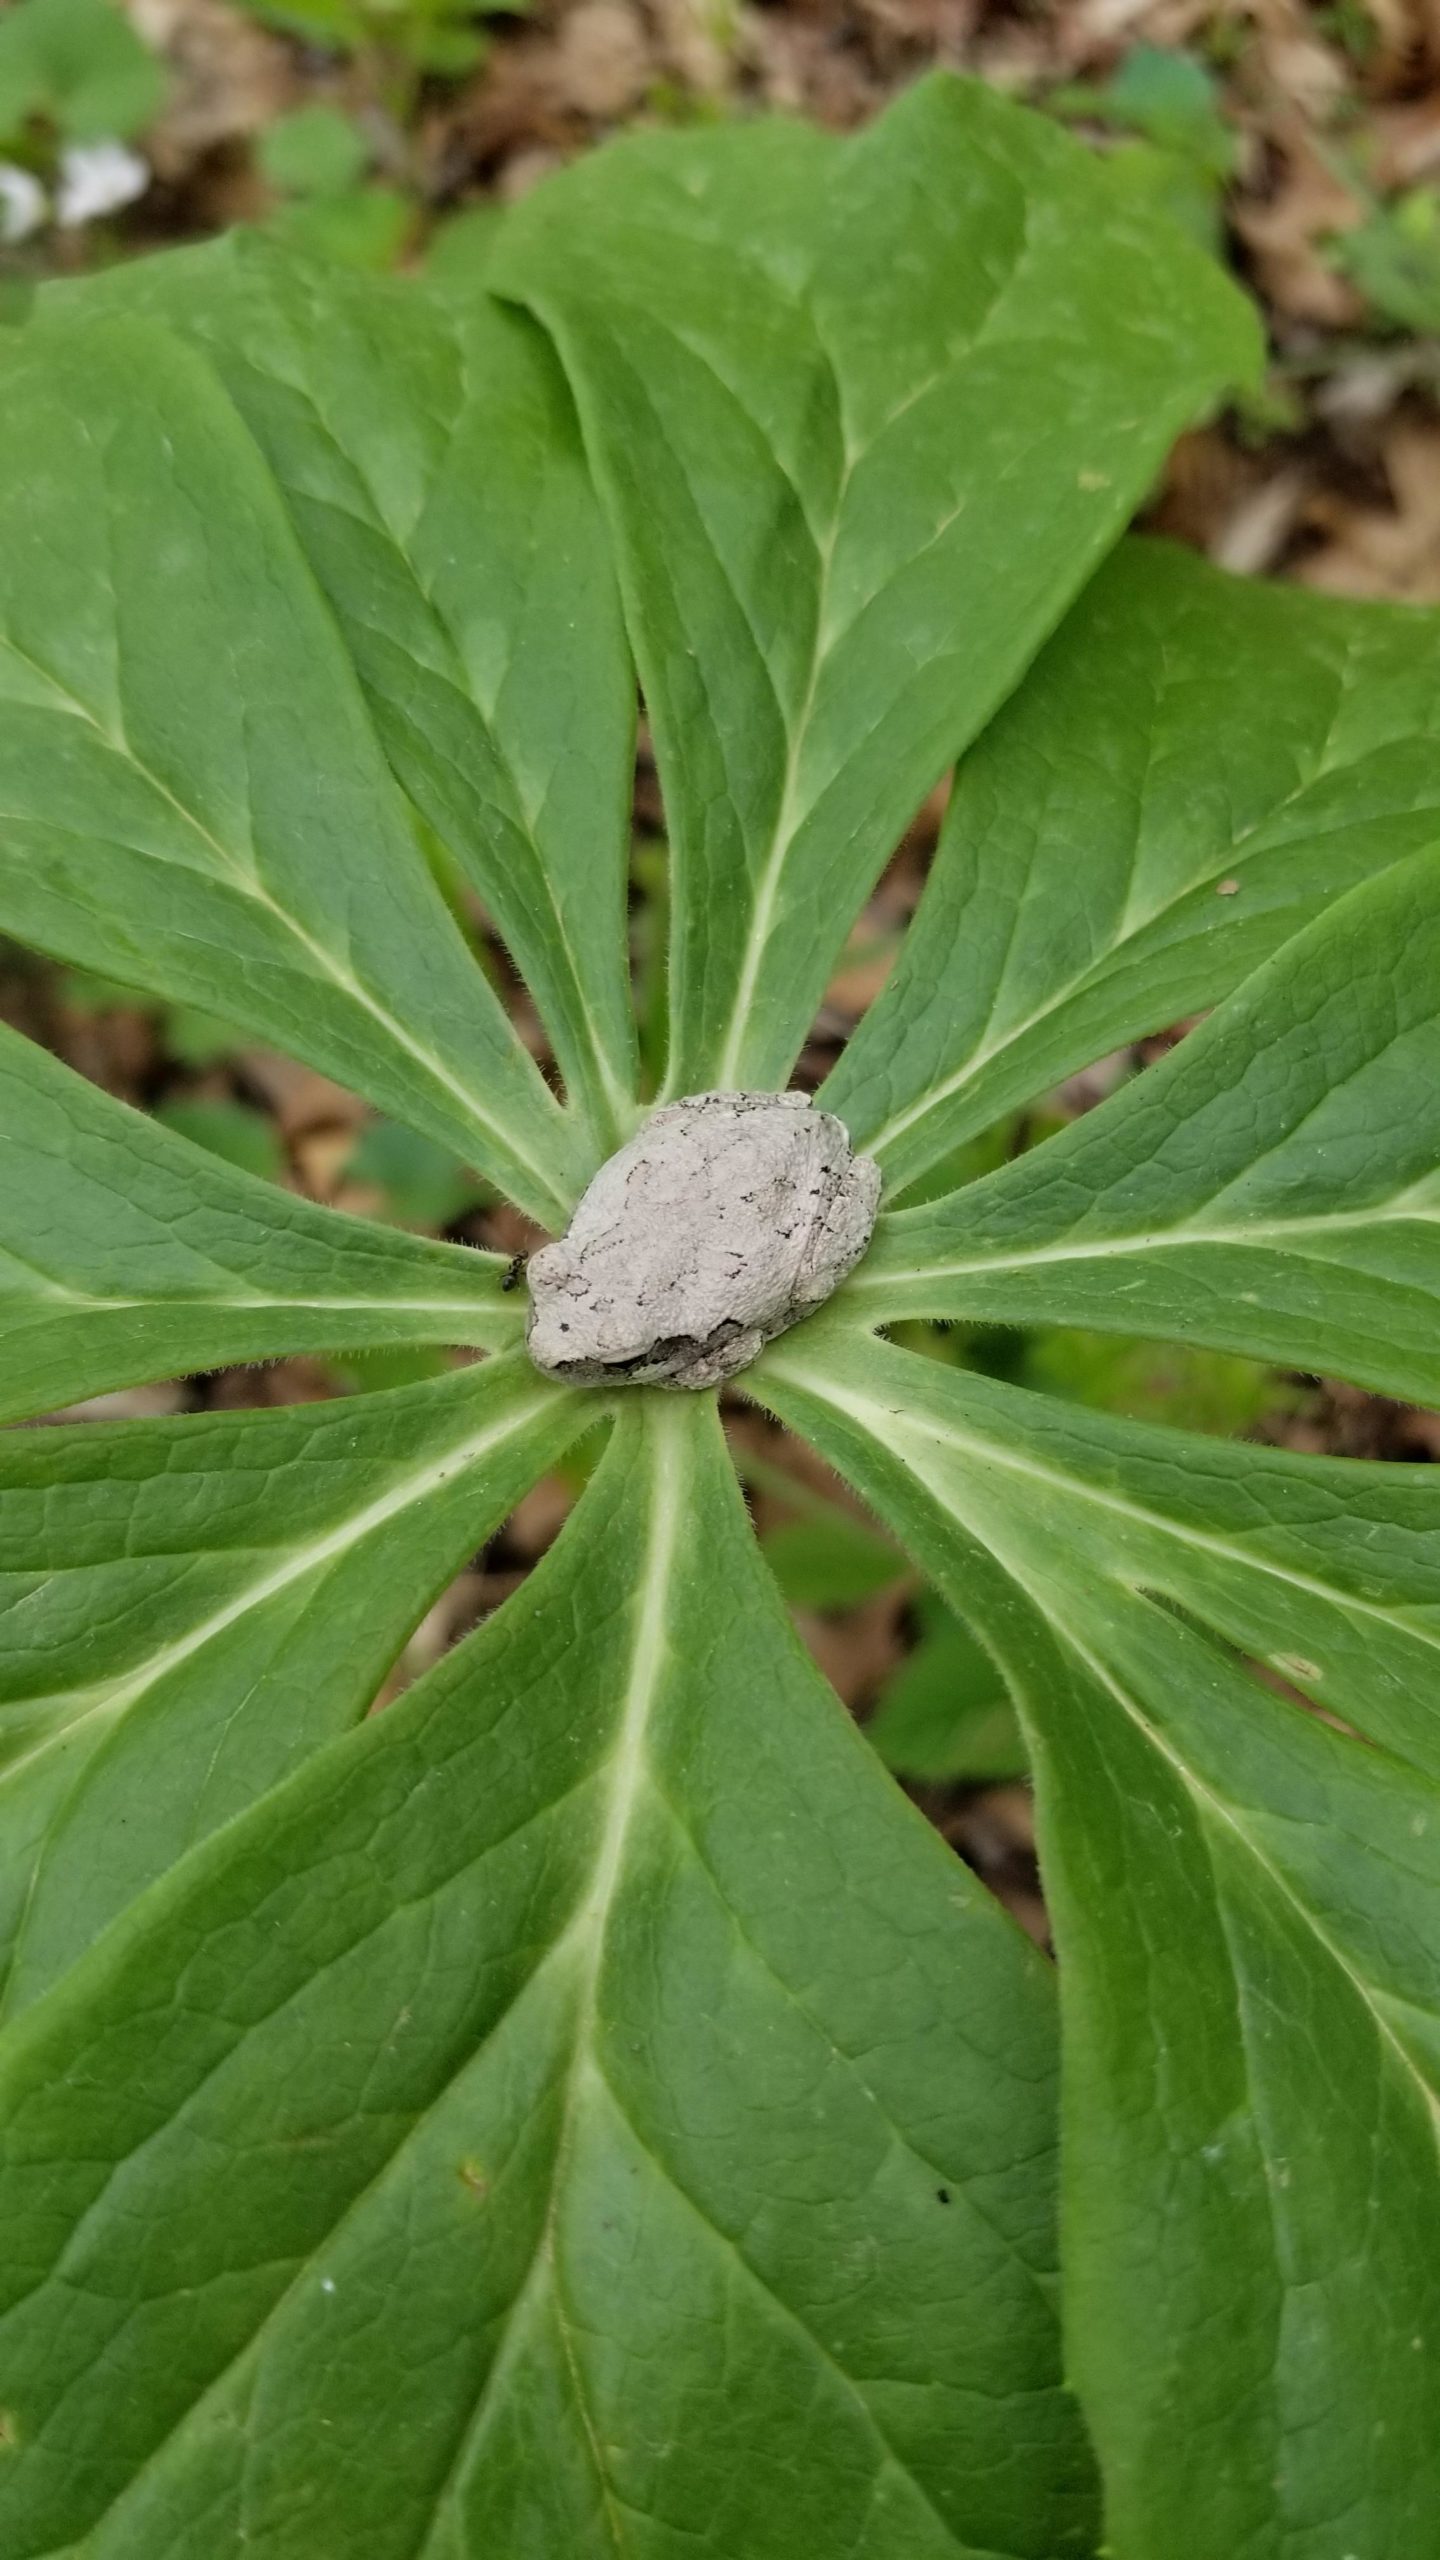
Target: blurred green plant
[420,1184]
[1184,151]
[234,1131]
[318,160]
[1354,27]
[79,68]
[1393,258]
[403,41]
[826,1559]
[189,1036]
[1168,98]
[946,1717]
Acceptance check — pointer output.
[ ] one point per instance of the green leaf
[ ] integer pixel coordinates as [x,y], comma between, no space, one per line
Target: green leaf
[421,1184]
[186,768]
[80,64]
[582,2177]
[1324,1570]
[235,1131]
[461,246]
[864,417]
[1246,1903]
[125,1254]
[363,227]
[313,151]
[1165,94]
[946,1714]
[340,24]
[1194,768]
[1393,257]
[426,447]
[828,1561]
[1269,1187]
[198,1039]
[172,1594]
[1155,1381]
[582,2109]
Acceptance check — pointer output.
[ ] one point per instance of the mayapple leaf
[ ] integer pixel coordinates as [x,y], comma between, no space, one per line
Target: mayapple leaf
[1327,1571]
[630,2113]
[581,2108]
[191,795]
[1194,768]
[864,416]
[1247,1907]
[426,448]
[1271,1187]
[106,1279]
[193,1605]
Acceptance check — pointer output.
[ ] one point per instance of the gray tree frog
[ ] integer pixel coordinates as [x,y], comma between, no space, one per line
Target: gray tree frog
[729,1217]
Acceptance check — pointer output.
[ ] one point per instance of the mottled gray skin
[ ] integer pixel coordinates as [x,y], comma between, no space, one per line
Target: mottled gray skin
[729,1217]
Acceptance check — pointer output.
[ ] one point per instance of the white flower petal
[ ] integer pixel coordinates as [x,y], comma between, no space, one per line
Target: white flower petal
[97,178]
[22,203]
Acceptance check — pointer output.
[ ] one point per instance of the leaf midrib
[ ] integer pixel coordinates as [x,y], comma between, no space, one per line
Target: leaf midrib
[1262,1232]
[789,820]
[1243,848]
[1212,1806]
[1043,1598]
[886,1424]
[114,1698]
[456,677]
[247,884]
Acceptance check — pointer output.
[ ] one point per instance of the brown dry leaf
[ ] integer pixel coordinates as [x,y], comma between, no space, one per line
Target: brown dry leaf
[858,1651]
[943,29]
[1405,143]
[994,1830]
[1340,1421]
[1256,534]
[299,1380]
[511,108]
[539,1516]
[864,968]
[1291,62]
[452,1615]
[116,1049]
[1284,233]
[320,1157]
[230,78]
[694,41]
[1406,44]
[601,61]
[300,1098]
[126,1404]
[1385,551]
[1208,481]
[1091,33]
[805,64]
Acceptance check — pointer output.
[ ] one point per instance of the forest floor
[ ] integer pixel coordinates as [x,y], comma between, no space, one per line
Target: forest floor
[1304,143]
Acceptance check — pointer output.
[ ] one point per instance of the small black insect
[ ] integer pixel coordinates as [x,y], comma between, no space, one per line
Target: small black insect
[513,1274]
